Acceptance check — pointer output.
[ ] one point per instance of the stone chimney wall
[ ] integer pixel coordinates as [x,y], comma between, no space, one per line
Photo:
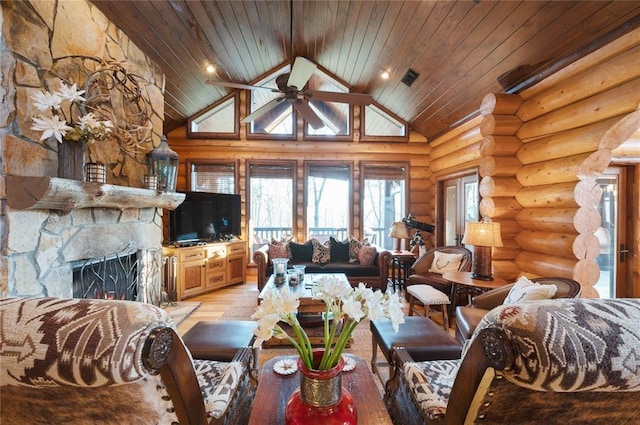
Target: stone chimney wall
[43,42]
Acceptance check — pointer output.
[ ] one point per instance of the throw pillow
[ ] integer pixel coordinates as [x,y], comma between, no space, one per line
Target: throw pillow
[354,248]
[278,250]
[367,255]
[339,250]
[321,253]
[526,290]
[301,252]
[444,262]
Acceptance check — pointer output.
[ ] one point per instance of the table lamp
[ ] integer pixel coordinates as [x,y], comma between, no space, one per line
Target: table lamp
[399,230]
[484,235]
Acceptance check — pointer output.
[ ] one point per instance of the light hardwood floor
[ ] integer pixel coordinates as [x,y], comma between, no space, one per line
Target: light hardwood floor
[214,304]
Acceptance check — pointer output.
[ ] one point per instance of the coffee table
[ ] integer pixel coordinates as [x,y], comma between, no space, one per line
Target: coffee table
[311,309]
[274,391]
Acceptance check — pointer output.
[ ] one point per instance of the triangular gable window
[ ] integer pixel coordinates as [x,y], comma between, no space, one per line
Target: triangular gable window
[335,116]
[378,124]
[217,121]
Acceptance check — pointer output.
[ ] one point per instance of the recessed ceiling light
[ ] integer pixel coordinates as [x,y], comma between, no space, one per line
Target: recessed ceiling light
[210,69]
[384,74]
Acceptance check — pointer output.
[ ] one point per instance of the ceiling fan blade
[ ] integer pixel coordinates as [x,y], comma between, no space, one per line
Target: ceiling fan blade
[262,110]
[301,72]
[329,96]
[237,86]
[307,113]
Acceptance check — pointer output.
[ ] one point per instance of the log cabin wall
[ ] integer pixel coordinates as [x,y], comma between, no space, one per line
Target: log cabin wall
[414,152]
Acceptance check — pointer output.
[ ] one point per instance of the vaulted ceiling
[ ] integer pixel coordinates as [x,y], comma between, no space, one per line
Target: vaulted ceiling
[461,50]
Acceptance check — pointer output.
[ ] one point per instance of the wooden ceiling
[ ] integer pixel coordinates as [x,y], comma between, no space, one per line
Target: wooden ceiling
[461,49]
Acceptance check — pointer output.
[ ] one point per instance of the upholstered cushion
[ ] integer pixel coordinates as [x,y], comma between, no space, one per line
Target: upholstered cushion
[443,262]
[321,253]
[218,382]
[301,252]
[367,255]
[525,290]
[354,248]
[431,383]
[339,250]
[428,295]
[278,250]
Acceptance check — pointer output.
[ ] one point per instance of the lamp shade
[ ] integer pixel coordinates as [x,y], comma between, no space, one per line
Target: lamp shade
[483,233]
[399,230]
[162,162]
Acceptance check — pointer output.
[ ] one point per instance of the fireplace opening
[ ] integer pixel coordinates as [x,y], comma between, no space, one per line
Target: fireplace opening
[112,277]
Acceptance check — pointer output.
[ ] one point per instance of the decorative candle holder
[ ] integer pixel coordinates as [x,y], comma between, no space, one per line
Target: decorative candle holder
[151,182]
[95,172]
[279,270]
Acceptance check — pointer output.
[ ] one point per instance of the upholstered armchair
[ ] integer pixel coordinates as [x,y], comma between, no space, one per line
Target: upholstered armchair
[425,271]
[468,317]
[80,361]
[569,361]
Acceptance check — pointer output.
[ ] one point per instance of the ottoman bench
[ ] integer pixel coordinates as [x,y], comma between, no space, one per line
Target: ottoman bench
[421,336]
[220,340]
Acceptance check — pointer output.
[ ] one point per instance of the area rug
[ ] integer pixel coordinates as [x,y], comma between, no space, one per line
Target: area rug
[181,310]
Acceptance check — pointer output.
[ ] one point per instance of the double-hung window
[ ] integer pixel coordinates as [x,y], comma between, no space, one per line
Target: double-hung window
[384,200]
[212,177]
[271,201]
[329,200]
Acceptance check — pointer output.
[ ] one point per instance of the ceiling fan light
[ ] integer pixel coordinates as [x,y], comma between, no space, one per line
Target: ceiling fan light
[210,68]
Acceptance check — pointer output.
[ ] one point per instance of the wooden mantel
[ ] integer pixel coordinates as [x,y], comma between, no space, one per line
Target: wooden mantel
[61,194]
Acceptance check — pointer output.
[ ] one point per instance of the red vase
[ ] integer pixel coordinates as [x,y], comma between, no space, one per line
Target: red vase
[321,399]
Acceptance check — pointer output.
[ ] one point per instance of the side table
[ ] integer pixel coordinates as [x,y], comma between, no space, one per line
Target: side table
[463,283]
[274,391]
[401,262]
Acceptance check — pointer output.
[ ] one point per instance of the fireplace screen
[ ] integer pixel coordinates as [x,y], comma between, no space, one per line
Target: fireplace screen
[110,278]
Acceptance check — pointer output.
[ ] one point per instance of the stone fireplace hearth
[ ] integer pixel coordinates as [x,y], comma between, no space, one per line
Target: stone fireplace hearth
[54,228]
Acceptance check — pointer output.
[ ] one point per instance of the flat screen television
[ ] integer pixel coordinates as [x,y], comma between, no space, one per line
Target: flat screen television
[204,217]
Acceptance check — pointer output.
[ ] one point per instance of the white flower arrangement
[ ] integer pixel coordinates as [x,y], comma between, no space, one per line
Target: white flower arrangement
[345,308]
[56,119]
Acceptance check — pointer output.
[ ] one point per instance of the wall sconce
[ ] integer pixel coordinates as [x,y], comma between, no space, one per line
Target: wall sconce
[162,162]
[399,230]
[483,235]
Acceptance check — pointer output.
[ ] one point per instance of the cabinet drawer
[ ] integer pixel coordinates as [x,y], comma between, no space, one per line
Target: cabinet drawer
[191,255]
[214,264]
[237,248]
[215,280]
[218,252]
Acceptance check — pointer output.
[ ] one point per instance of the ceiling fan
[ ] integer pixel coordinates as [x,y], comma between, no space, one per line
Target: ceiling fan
[292,87]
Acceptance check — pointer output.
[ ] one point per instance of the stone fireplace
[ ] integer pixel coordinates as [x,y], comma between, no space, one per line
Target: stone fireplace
[70,222]
[60,226]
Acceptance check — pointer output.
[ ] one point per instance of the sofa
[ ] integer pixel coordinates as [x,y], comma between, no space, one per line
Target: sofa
[359,261]
[468,317]
[556,361]
[82,361]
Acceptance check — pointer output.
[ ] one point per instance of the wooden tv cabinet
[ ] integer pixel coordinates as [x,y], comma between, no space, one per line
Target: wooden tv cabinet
[204,268]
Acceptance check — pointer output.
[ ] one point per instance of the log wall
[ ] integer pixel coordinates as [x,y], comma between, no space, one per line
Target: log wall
[570,123]
[415,152]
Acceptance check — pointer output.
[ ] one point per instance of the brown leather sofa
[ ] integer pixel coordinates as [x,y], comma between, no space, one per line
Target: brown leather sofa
[468,317]
[374,276]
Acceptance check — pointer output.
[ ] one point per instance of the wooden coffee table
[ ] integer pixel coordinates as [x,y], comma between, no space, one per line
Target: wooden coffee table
[274,391]
[311,309]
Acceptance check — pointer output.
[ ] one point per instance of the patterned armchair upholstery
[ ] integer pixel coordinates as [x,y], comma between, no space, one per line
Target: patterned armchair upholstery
[569,361]
[96,361]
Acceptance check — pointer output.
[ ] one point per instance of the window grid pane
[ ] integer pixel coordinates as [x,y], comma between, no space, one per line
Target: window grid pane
[216,178]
